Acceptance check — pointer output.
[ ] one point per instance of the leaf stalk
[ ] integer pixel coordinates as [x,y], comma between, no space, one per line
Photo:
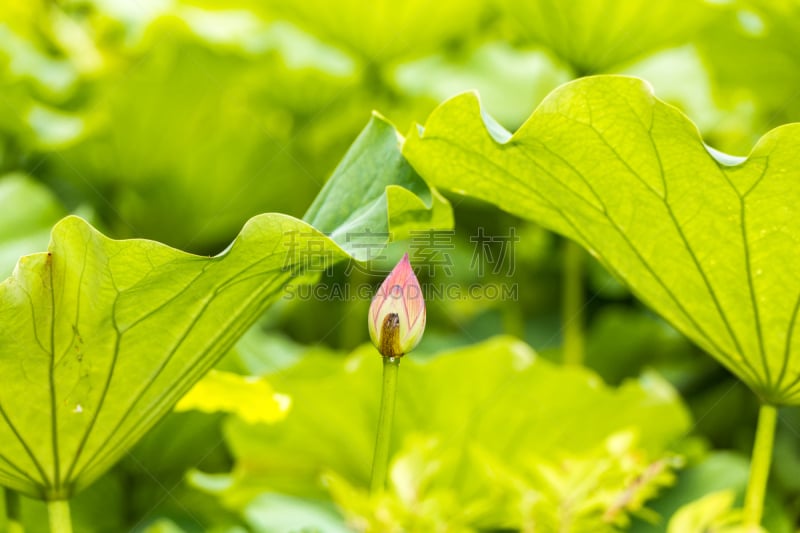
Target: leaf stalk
[572,304]
[760,465]
[13,515]
[59,514]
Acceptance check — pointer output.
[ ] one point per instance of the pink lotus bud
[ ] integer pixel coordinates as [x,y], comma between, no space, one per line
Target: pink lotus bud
[397,312]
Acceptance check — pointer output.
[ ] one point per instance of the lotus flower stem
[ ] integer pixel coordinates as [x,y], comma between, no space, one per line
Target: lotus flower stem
[396,322]
[760,465]
[380,461]
[13,517]
[60,521]
[572,304]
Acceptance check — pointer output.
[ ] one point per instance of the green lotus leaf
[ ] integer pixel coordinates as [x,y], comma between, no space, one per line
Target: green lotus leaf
[707,240]
[363,28]
[479,430]
[593,36]
[101,337]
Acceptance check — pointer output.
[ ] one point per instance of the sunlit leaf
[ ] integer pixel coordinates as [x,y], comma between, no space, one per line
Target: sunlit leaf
[713,512]
[250,398]
[463,418]
[592,36]
[363,28]
[705,239]
[596,490]
[101,337]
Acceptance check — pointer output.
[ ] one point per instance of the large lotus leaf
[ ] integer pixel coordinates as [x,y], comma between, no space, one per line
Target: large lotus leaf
[101,337]
[244,113]
[494,399]
[593,35]
[216,161]
[707,240]
[383,30]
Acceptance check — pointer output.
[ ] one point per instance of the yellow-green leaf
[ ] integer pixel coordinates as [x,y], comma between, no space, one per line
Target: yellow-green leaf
[101,337]
[251,398]
[708,240]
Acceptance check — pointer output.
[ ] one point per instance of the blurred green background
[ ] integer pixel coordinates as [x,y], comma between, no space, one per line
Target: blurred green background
[177,121]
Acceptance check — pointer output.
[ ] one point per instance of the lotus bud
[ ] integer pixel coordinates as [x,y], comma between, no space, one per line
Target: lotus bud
[397,312]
